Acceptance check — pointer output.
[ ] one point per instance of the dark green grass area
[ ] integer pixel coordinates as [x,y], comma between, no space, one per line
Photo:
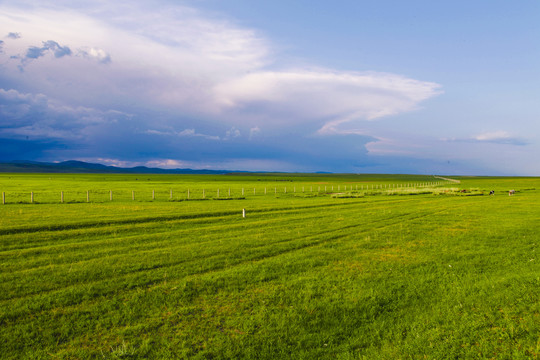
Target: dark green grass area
[390,277]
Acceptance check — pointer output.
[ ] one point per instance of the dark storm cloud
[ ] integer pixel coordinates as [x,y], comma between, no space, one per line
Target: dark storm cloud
[34,52]
[14,35]
[22,149]
[37,116]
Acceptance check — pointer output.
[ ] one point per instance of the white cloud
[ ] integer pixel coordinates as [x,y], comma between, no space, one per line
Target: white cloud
[254,132]
[494,137]
[97,54]
[232,133]
[183,133]
[324,97]
[165,164]
[500,137]
[177,57]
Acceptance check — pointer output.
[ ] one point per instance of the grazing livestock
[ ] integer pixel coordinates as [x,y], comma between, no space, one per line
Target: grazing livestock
[511,192]
[492,192]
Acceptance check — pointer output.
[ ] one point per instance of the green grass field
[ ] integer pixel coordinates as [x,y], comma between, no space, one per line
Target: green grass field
[401,268]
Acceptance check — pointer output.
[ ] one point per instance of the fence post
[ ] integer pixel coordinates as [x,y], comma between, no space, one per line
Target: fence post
[217,192]
[61,196]
[243,213]
[133,195]
[242,192]
[87,196]
[153,194]
[170,196]
[31,196]
[203,193]
[3,198]
[188,194]
[253,191]
[110,195]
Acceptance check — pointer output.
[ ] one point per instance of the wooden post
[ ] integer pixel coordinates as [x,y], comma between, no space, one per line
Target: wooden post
[133,195]
[61,196]
[31,196]
[285,189]
[110,195]
[3,198]
[188,194]
[170,196]
[87,196]
[153,195]
[275,190]
[203,196]
[217,192]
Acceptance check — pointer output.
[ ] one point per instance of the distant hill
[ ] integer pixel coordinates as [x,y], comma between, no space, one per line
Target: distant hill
[81,167]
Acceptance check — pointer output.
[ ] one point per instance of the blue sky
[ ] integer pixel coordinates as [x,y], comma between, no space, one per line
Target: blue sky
[346,86]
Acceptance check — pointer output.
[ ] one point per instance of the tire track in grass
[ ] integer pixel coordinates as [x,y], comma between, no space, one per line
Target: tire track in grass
[108,222]
[311,241]
[241,235]
[108,227]
[114,248]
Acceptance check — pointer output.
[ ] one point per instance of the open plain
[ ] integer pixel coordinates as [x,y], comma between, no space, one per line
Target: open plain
[321,266]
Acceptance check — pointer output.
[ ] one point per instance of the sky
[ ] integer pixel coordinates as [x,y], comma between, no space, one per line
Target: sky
[351,86]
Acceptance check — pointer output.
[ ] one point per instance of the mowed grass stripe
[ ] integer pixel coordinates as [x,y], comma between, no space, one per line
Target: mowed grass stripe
[20,245]
[99,215]
[41,256]
[217,261]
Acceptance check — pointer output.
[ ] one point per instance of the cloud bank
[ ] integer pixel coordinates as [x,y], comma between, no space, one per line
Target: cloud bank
[171,83]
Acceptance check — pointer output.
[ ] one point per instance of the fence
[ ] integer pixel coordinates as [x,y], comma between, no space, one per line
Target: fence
[220,193]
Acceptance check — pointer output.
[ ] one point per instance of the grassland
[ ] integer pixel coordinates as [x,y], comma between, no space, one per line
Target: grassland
[388,271]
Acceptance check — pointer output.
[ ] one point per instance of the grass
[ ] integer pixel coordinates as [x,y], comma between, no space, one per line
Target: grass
[360,275]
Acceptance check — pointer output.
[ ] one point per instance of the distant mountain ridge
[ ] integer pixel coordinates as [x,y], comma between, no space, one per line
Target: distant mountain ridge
[81,167]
